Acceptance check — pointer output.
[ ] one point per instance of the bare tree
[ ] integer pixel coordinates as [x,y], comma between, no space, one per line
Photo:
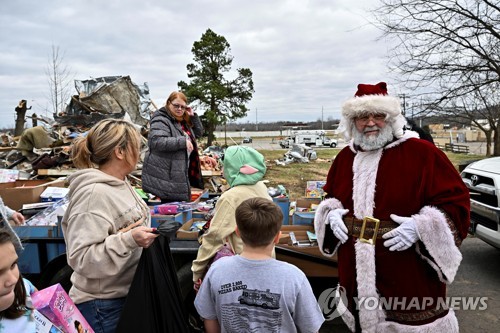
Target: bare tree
[21,117]
[60,79]
[486,115]
[448,50]
[481,108]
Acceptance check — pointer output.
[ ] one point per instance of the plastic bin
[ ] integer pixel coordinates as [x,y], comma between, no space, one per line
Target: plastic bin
[303,218]
[284,204]
[181,217]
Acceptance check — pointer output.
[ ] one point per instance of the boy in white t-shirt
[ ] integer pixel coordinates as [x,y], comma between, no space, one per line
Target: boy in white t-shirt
[252,292]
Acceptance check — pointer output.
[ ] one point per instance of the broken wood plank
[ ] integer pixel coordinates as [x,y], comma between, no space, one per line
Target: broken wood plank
[56,172]
[209,173]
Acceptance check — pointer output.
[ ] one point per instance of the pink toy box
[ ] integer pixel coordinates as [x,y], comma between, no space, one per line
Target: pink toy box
[54,303]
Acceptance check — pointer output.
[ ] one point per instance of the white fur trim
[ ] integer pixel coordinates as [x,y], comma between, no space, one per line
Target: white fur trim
[356,106]
[437,237]
[448,324]
[365,277]
[371,103]
[365,169]
[346,315]
[320,220]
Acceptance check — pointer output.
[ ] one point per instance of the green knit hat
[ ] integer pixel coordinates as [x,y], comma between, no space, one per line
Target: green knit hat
[243,166]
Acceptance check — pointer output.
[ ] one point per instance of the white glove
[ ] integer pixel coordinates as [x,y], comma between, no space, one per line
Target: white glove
[334,218]
[404,236]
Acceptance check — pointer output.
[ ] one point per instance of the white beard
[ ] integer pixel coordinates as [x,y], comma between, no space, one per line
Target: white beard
[372,142]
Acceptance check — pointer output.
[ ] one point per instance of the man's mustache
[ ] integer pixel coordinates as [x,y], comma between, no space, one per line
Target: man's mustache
[371,128]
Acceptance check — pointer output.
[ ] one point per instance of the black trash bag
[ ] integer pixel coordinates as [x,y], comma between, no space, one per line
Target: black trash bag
[168,228]
[154,302]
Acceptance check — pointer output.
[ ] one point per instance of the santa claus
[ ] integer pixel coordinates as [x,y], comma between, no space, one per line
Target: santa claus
[396,212]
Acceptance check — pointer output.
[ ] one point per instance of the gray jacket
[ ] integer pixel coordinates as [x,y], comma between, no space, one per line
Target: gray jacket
[165,170]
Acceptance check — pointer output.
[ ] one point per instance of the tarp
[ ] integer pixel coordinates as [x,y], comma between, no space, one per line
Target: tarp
[105,97]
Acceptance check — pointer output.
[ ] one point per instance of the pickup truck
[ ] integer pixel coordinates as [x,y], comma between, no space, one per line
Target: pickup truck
[482,178]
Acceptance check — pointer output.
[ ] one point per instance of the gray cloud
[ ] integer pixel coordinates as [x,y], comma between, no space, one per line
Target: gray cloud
[304,55]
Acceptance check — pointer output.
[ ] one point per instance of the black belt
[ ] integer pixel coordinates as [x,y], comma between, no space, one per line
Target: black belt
[370,225]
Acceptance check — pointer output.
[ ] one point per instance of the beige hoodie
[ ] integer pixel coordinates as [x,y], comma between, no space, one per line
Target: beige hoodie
[103,258]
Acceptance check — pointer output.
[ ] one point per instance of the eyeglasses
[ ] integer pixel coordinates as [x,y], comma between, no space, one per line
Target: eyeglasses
[178,106]
[366,119]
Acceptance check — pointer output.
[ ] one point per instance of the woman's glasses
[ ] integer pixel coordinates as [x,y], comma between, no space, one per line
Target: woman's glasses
[178,106]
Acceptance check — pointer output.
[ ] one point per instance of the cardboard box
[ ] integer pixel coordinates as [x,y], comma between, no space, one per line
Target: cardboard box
[20,192]
[54,303]
[306,204]
[314,188]
[300,232]
[51,194]
[184,231]
[43,325]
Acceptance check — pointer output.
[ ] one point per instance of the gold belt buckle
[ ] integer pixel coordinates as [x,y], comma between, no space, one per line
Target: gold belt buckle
[375,230]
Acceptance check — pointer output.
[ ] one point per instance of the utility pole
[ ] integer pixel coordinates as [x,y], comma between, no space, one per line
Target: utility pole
[403,96]
[321,117]
[256,121]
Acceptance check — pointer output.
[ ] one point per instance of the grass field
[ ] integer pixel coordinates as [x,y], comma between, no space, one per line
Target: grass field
[295,175]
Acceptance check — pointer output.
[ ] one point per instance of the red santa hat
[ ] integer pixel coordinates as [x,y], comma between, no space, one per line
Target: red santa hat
[370,99]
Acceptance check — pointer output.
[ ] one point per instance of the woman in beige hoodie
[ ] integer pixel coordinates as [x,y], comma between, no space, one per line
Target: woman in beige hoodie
[106,224]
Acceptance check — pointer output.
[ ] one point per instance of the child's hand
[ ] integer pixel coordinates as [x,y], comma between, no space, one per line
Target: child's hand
[197,285]
[18,218]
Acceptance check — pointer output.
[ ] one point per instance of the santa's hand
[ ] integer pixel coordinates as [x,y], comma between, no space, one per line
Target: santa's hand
[336,222]
[404,236]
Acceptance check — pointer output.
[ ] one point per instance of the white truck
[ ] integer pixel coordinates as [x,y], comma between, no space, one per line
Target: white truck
[309,138]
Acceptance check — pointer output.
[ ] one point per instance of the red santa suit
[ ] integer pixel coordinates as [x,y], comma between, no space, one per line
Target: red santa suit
[409,177]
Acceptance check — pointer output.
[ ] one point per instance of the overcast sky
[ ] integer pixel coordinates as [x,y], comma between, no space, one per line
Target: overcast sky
[305,55]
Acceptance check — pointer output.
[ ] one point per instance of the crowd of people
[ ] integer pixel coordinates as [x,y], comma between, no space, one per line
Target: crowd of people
[395,214]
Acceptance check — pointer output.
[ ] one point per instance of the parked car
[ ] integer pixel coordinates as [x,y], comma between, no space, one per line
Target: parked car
[482,178]
[246,139]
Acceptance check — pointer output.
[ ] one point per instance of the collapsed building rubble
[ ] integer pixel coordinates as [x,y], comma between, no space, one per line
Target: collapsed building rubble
[111,96]
[48,144]
[45,150]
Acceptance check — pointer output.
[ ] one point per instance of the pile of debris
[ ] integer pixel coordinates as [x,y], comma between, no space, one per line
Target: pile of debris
[45,149]
[299,153]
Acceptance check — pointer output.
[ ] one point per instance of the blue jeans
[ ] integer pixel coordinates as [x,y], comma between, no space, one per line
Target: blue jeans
[102,314]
